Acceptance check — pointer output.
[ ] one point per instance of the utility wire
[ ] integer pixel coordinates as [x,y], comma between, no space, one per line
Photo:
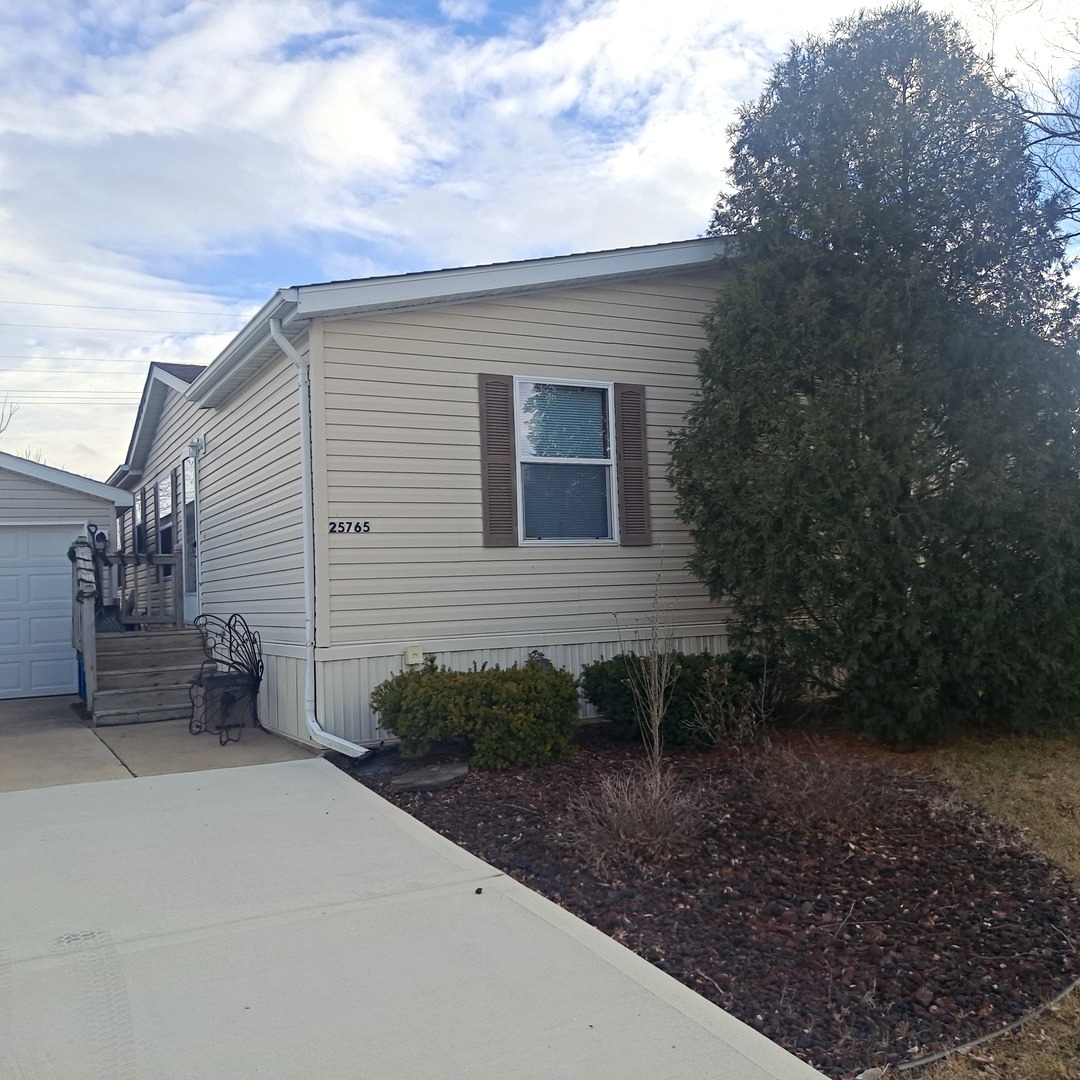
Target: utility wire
[121,329]
[80,360]
[64,371]
[143,310]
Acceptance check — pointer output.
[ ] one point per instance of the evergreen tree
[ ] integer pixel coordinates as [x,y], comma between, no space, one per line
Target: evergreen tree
[881,474]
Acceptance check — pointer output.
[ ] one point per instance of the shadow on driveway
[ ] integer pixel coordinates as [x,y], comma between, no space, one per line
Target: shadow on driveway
[45,743]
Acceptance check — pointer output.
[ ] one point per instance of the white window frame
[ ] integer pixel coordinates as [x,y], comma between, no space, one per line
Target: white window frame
[192,589]
[526,459]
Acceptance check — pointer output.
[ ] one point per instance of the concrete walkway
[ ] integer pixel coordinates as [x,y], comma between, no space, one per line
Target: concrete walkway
[168,915]
[284,922]
[44,743]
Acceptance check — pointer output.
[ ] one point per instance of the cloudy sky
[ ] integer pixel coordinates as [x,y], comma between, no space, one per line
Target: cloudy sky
[165,165]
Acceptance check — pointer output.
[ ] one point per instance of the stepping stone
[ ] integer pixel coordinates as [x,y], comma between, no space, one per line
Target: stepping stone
[431,777]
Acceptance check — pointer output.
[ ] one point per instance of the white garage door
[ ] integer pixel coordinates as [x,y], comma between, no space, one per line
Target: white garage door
[36,657]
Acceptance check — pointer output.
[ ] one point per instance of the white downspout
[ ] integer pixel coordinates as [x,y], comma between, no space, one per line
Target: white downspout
[315,731]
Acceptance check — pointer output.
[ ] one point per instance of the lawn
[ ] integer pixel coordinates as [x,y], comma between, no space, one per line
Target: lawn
[1034,785]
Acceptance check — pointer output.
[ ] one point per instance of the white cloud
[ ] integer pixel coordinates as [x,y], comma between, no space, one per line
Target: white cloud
[143,141]
[463,10]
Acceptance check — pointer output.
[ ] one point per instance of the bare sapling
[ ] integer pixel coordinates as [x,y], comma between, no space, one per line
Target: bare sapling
[651,674]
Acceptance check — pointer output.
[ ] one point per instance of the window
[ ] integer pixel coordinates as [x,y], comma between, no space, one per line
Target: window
[563,461]
[164,502]
[165,538]
[139,538]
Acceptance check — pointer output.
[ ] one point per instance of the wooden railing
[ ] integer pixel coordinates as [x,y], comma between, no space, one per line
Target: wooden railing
[150,589]
[85,598]
[116,590]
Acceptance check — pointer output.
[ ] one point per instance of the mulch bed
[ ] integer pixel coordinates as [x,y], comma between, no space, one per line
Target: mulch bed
[844,903]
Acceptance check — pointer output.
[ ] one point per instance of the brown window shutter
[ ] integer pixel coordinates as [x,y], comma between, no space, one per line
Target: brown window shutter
[632,464]
[498,461]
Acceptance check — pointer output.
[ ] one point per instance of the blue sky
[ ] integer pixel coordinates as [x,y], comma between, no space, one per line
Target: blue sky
[166,164]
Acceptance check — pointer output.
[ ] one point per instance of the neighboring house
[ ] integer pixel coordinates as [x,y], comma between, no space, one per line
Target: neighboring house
[42,510]
[467,464]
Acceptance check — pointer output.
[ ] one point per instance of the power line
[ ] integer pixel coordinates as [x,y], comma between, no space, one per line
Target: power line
[143,310]
[76,399]
[79,360]
[65,371]
[120,329]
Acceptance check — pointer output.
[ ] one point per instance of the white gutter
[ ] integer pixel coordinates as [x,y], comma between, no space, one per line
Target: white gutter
[315,731]
[238,353]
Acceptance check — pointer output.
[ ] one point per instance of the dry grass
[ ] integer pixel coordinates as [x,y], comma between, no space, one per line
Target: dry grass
[1032,784]
[1046,1049]
[644,815]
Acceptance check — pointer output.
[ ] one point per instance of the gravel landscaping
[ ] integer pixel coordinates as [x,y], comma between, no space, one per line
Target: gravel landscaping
[842,901]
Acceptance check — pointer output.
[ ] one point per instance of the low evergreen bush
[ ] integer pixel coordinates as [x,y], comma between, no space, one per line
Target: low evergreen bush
[508,716]
[698,678]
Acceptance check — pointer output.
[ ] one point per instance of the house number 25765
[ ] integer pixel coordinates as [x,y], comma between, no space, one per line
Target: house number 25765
[350,526]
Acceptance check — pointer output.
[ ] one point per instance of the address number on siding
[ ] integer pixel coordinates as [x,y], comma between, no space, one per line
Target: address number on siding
[350,526]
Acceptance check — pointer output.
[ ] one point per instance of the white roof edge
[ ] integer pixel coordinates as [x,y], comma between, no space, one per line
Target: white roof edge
[282,305]
[441,286]
[302,303]
[150,401]
[170,380]
[34,470]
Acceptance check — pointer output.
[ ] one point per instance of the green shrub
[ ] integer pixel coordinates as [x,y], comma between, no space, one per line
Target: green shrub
[699,677]
[509,716]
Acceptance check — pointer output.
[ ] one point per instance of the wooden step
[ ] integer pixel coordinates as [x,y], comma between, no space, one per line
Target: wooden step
[139,698]
[114,644]
[151,660]
[147,715]
[131,652]
[144,678]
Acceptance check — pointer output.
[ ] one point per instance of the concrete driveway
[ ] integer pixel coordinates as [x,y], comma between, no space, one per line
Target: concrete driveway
[44,743]
[281,921]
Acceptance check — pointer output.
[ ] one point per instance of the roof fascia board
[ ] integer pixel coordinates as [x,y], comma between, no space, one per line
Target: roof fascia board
[282,306]
[170,380]
[150,406]
[445,286]
[33,470]
[223,378]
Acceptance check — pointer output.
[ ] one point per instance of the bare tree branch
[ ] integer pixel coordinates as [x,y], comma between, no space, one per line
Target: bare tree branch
[8,409]
[1048,100]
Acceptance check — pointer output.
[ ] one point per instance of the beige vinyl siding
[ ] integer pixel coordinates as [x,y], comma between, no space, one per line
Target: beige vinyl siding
[24,499]
[250,517]
[400,411]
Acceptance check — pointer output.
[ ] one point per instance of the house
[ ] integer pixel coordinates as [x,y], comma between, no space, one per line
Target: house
[467,464]
[42,510]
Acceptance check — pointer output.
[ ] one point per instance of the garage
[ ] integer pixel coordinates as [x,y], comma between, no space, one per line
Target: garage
[42,510]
